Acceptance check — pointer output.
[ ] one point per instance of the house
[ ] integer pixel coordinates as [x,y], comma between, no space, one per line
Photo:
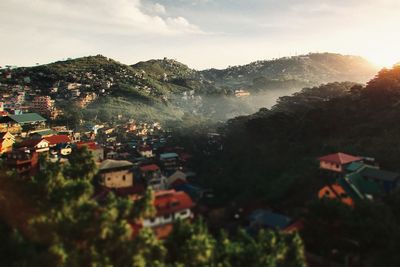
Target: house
[387,181]
[177,177]
[337,162]
[170,206]
[336,191]
[39,134]
[65,149]
[149,171]
[116,173]
[151,174]
[57,139]
[97,150]
[23,161]
[145,151]
[37,145]
[26,118]
[7,140]
[169,161]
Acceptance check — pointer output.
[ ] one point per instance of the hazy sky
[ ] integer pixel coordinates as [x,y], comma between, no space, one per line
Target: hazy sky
[200,33]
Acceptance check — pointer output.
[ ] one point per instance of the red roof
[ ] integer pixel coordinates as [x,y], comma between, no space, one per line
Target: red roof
[31,143]
[90,145]
[171,201]
[339,158]
[149,168]
[58,139]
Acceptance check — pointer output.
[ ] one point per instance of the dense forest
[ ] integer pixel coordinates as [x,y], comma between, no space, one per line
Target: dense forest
[270,158]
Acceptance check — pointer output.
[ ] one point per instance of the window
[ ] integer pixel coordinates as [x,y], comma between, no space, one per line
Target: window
[174,203]
[123,178]
[108,178]
[167,216]
[183,212]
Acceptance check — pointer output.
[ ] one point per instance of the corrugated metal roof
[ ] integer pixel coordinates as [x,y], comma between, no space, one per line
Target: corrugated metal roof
[27,118]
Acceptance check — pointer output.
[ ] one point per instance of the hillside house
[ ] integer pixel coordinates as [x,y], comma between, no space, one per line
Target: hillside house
[39,134]
[176,178]
[336,191]
[7,141]
[31,120]
[337,162]
[145,151]
[22,161]
[96,149]
[57,139]
[169,162]
[171,206]
[151,174]
[36,145]
[116,173]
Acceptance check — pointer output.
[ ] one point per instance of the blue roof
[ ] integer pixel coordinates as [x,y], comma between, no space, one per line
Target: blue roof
[265,218]
[168,155]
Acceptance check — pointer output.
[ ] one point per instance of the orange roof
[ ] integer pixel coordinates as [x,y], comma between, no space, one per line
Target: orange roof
[339,158]
[58,139]
[337,192]
[171,201]
[149,168]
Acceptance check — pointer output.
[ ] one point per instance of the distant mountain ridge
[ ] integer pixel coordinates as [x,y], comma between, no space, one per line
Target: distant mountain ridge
[167,82]
[308,70]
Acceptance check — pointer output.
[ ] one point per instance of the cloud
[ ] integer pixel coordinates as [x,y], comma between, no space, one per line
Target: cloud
[127,17]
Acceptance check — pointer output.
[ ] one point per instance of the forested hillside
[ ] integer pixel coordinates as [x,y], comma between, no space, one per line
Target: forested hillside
[270,157]
[166,89]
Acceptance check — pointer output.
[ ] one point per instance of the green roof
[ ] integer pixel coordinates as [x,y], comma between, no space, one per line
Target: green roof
[375,173]
[27,118]
[350,189]
[354,166]
[45,132]
[110,164]
[365,186]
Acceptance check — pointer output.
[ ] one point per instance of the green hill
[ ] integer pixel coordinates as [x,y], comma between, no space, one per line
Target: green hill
[304,70]
[165,88]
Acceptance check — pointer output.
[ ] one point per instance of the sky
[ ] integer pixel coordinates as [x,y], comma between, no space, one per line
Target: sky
[199,33]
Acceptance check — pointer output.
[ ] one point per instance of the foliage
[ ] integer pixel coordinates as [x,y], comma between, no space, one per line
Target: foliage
[74,229]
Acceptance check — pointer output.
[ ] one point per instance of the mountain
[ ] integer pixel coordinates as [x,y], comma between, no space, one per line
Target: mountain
[167,89]
[305,70]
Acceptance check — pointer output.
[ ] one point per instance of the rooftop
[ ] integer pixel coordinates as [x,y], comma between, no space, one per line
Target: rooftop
[110,164]
[27,118]
[168,156]
[339,158]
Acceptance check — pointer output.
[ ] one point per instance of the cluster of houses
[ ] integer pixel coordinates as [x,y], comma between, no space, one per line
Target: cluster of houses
[22,99]
[353,178]
[130,158]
